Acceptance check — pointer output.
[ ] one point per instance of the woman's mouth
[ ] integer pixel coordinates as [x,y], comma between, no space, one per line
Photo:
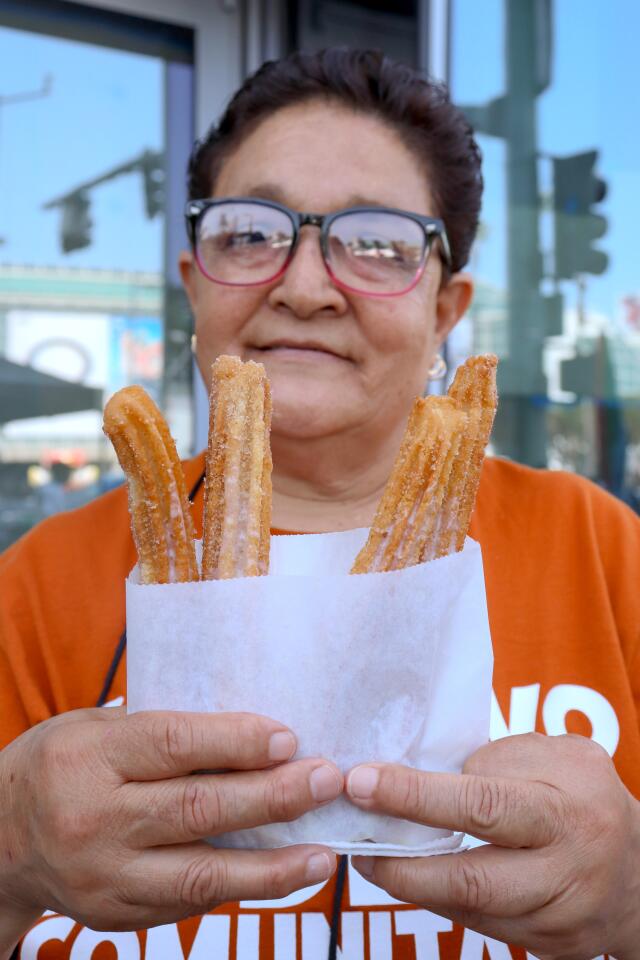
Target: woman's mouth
[299,352]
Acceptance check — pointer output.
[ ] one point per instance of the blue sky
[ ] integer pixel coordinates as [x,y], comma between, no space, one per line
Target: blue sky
[106,106]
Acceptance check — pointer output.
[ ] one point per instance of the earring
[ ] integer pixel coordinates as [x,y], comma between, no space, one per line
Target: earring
[438,368]
[194,343]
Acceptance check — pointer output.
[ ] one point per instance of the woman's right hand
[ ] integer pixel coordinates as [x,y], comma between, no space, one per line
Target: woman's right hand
[102,817]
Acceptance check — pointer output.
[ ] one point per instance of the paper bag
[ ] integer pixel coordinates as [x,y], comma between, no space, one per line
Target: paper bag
[385,666]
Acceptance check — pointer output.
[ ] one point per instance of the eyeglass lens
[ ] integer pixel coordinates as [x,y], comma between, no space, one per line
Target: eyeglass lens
[369,251]
[243,242]
[375,252]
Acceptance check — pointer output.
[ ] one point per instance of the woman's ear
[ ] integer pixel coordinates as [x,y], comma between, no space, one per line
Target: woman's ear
[452,303]
[187,268]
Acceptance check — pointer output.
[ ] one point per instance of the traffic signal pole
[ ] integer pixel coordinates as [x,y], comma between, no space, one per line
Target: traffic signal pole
[521,427]
[520,431]
[75,204]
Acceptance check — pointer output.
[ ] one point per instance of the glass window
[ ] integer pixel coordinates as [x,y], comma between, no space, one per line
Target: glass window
[558,294]
[94,143]
[384,24]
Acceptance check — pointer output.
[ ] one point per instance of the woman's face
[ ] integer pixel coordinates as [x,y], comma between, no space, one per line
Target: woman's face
[337,361]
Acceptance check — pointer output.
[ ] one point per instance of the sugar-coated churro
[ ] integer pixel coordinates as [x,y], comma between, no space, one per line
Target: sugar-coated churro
[237,510]
[427,503]
[407,513]
[158,503]
[474,389]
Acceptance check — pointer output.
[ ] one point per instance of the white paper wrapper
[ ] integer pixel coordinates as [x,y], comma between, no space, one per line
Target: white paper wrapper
[386,666]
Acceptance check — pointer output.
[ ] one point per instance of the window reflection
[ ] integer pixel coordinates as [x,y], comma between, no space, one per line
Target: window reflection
[557,302]
[85,307]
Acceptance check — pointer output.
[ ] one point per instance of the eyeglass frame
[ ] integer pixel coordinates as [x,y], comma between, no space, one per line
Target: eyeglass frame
[433,229]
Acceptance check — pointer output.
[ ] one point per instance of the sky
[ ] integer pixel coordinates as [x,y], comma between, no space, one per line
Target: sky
[106,106]
[591,103]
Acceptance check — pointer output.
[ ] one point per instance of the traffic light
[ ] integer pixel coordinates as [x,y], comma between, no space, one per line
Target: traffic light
[153,182]
[578,374]
[576,188]
[76,222]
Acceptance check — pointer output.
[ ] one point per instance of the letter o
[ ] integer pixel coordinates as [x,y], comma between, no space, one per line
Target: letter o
[127,944]
[571,696]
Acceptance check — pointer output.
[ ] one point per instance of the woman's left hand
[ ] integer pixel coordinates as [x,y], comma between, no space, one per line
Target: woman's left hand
[561,873]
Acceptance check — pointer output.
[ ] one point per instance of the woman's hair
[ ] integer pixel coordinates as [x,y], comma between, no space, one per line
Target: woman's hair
[419,110]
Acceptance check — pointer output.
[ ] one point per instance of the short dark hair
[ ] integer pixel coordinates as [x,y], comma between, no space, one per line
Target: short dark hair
[419,110]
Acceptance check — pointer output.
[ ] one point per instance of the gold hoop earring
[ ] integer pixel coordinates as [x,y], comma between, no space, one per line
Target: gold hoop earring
[438,368]
[194,343]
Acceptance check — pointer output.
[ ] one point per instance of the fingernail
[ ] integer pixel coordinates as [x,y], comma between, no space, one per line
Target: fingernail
[325,784]
[319,867]
[364,865]
[282,745]
[362,782]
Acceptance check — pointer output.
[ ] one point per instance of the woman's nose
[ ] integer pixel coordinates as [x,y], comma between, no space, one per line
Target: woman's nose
[305,287]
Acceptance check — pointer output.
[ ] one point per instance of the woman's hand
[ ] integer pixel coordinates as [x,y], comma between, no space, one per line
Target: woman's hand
[561,876]
[102,819]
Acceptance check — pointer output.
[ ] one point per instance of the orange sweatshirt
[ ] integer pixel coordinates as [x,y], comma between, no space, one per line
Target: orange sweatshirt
[562,568]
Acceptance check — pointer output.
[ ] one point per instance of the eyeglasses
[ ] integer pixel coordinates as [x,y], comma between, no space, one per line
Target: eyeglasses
[374,251]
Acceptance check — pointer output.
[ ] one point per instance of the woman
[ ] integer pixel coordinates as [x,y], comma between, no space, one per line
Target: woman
[101,820]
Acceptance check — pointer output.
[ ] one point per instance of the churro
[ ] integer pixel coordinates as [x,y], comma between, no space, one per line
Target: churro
[474,389]
[427,503]
[237,508]
[160,513]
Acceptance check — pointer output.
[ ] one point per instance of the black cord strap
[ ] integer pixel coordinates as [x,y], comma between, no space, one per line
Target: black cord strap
[196,487]
[113,666]
[341,876]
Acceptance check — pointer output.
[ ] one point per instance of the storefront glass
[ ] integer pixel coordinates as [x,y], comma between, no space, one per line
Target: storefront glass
[550,91]
[92,166]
